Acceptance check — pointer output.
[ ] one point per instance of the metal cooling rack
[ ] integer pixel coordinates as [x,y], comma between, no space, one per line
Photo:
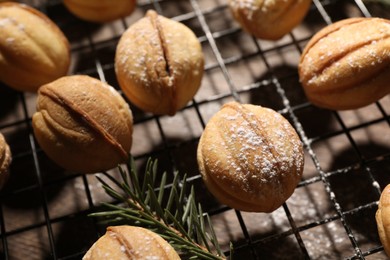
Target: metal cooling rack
[43,213]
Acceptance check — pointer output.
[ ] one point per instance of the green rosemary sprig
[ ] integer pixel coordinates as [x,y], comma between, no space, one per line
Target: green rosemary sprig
[178,218]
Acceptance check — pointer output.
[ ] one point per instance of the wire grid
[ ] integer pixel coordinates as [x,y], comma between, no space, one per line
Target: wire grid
[43,213]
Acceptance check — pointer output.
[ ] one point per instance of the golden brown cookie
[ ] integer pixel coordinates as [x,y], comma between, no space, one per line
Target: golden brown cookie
[83,124]
[346,65]
[5,161]
[100,11]
[250,157]
[383,219]
[269,19]
[132,243]
[159,64]
[33,50]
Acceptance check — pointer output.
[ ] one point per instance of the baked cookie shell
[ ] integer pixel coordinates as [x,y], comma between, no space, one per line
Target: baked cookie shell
[100,11]
[159,64]
[383,219]
[250,157]
[29,37]
[346,65]
[269,19]
[5,161]
[129,242]
[83,124]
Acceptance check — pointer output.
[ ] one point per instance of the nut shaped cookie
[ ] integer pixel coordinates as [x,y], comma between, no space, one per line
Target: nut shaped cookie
[382,217]
[33,50]
[83,124]
[100,11]
[159,64]
[250,157]
[5,161]
[269,19]
[132,243]
[346,65]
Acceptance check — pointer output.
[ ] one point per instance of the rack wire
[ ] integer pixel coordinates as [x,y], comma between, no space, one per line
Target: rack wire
[44,209]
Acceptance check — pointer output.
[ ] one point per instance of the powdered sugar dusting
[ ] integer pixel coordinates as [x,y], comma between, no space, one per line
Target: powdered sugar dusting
[248,7]
[143,245]
[261,150]
[142,55]
[6,21]
[134,60]
[9,21]
[9,24]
